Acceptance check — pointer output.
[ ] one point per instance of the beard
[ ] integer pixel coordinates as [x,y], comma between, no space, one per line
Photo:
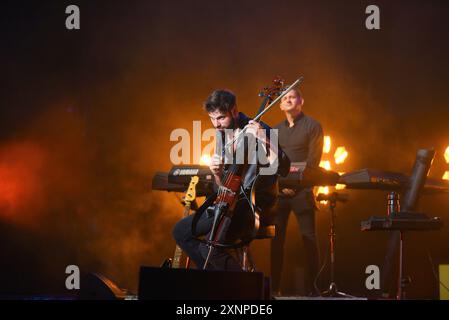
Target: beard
[232,125]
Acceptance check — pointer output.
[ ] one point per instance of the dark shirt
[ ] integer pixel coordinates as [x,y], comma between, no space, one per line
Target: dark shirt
[252,170]
[303,142]
[266,188]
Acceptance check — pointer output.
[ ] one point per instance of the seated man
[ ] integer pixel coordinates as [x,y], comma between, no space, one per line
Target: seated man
[222,110]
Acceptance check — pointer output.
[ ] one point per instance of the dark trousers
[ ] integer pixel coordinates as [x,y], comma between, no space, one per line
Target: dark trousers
[220,259]
[303,207]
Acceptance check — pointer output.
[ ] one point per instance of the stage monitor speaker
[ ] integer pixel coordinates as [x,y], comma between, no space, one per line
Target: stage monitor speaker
[95,286]
[188,284]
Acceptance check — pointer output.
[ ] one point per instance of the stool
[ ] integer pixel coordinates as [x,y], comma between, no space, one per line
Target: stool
[264,232]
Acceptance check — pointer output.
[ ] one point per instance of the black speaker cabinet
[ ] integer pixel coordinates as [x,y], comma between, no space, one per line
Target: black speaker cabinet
[189,284]
[95,286]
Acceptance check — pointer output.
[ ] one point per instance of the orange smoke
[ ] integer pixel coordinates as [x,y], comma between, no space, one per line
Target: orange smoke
[21,180]
[45,171]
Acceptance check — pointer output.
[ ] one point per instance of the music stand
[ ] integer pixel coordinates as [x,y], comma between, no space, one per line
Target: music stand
[333,198]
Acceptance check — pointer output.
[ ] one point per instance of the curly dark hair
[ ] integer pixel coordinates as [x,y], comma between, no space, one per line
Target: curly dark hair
[223,100]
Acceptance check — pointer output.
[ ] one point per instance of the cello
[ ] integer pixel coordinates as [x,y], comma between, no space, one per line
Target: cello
[222,204]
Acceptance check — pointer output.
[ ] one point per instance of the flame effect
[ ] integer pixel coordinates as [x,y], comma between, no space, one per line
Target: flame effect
[325,164]
[327,144]
[205,160]
[340,186]
[446,155]
[323,190]
[340,155]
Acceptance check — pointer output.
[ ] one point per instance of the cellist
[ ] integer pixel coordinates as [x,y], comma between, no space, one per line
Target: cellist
[221,108]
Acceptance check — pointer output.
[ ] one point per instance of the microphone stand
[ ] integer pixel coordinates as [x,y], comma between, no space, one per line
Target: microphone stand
[333,198]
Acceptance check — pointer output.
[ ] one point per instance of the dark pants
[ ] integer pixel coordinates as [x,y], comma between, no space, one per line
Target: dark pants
[220,259]
[303,207]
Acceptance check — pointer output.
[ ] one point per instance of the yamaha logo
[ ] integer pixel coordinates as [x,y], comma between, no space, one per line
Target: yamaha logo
[185,172]
[188,172]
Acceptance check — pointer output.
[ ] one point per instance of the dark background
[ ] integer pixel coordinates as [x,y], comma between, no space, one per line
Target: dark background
[86,115]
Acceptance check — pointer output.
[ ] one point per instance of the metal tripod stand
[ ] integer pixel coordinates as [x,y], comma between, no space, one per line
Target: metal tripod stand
[333,198]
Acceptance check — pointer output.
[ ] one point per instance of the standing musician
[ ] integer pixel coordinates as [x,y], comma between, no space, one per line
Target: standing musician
[222,110]
[301,137]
